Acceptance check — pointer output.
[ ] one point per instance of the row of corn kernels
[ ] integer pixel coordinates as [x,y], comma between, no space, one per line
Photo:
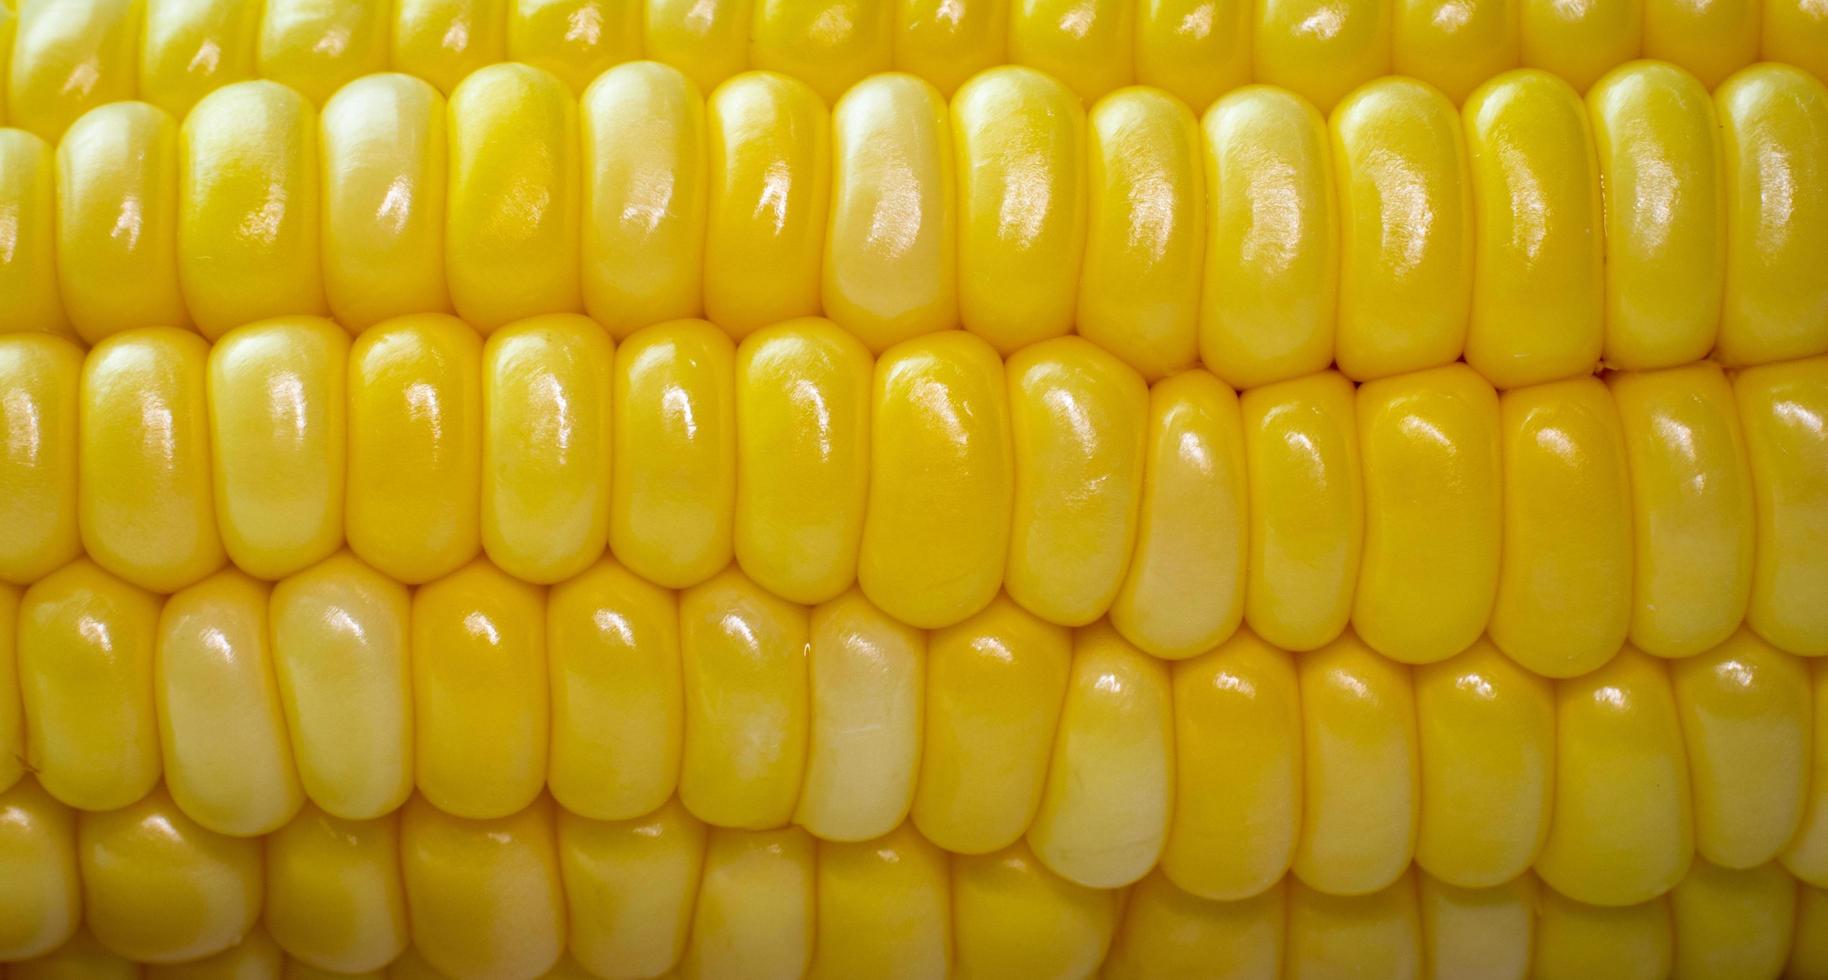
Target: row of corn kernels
[1531,233]
[1423,509]
[481,693]
[662,893]
[68,58]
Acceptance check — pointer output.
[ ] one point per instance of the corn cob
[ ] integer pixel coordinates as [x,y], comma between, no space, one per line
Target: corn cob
[1021,719]
[707,548]
[173,52]
[1414,805]
[794,906]
[436,474]
[411,220]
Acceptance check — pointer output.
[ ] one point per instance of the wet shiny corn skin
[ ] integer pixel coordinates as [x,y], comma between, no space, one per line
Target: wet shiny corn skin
[923,640]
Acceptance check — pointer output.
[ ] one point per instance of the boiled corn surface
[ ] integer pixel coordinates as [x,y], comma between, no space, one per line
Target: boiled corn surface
[1423,510]
[340,690]
[1534,234]
[65,58]
[1466,765]
[544,892]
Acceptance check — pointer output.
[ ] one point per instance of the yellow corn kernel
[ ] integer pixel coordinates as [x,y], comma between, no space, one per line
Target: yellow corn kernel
[1020,140]
[12,706]
[1377,934]
[1665,214]
[1784,411]
[1433,483]
[117,221]
[315,46]
[994,687]
[1575,941]
[576,40]
[830,45]
[1307,518]
[480,692]
[144,496]
[190,48]
[334,897]
[1581,42]
[1167,932]
[9,22]
[1078,418]
[444,41]
[414,497]
[38,455]
[40,897]
[673,487]
[617,706]
[1711,39]
[1271,274]
[1321,51]
[68,58]
[1796,33]
[1538,306]
[933,551]
[1732,923]
[1745,708]
[1806,857]
[278,437]
[884,909]
[1406,233]
[511,242]
[890,270]
[630,887]
[1358,736]
[1139,290]
[707,41]
[1238,770]
[248,207]
[1809,954]
[1191,532]
[746,705]
[1692,506]
[161,889]
[1104,815]
[85,678]
[28,267]
[756,915]
[947,42]
[1564,577]
[1014,918]
[546,446]
[1088,44]
[82,958]
[484,895]
[1197,50]
[384,170]
[340,635]
[768,149]
[1774,134]
[802,458]
[644,198]
[254,957]
[228,762]
[1455,47]
[867,680]
[1475,933]
[1622,830]
[1486,731]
